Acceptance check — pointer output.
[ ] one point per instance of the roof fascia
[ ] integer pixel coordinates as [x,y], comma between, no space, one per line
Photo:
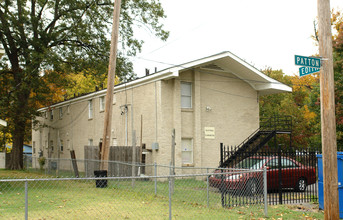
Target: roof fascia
[273,86]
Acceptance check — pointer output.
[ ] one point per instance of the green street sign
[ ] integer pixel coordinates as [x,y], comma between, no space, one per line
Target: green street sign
[307,61]
[303,71]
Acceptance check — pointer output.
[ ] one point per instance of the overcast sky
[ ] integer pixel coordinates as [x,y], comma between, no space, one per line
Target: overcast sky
[265,33]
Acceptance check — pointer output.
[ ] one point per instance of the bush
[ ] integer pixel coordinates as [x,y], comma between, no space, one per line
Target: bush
[41,161]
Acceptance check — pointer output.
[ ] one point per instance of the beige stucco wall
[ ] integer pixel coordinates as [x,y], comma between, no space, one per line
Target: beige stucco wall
[156,110]
[74,128]
[234,114]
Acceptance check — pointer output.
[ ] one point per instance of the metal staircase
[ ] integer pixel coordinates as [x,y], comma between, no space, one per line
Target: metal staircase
[267,130]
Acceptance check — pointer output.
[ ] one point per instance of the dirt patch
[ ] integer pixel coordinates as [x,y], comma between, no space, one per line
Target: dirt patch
[305,207]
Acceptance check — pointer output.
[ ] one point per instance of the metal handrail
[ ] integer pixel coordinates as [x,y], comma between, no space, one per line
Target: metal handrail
[276,123]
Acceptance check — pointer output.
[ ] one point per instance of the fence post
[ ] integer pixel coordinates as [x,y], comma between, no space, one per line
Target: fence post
[133,168]
[170,194]
[46,165]
[155,173]
[265,192]
[26,201]
[221,154]
[280,174]
[172,179]
[208,194]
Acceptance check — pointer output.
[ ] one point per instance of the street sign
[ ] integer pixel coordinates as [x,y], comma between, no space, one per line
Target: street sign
[307,61]
[303,71]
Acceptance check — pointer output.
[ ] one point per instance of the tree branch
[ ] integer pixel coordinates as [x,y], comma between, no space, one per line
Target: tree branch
[72,42]
[39,16]
[12,51]
[34,22]
[57,16]
[23,41]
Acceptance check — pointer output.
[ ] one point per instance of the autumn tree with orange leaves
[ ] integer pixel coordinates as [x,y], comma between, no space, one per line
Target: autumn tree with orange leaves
[297,104]
[303,104]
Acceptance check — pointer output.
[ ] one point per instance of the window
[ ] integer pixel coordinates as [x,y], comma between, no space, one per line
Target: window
[187,151]
[46,115]
[34,147]
[68,109]
[273,164]
[102,103]
[52,115]
[61,147]
[52,146]
[285,163]
[60,112]
[186,95]
[90,109]
[114,142]
[90,142]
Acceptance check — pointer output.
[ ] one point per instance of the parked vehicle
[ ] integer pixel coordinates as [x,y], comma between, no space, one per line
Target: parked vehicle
[293,175]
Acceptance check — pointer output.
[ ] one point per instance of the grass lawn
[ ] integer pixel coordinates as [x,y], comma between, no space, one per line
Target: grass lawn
[80,199]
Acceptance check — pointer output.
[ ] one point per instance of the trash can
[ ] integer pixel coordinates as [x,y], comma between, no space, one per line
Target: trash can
[102,183]
[340,182]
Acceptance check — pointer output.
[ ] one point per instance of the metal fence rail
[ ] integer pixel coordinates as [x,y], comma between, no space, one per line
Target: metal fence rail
[188,196]
[63,167]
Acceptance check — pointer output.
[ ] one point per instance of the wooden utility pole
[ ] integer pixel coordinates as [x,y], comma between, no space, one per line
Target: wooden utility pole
[110,87]
[328,120]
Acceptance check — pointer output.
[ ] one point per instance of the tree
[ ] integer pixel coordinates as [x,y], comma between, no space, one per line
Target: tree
[296,104]
[337,23]
[85,82]
[61,36]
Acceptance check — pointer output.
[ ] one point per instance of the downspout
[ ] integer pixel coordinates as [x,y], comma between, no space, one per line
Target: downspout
[156,113]
[126,124]
[132,113]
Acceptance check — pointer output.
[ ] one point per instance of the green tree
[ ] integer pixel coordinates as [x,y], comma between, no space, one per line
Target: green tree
[61,36]
[337,23]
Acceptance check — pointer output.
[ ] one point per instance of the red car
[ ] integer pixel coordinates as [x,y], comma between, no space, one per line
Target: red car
[294,175]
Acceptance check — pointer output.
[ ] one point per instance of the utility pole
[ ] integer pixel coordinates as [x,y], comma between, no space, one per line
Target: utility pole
[328,120]
[110,87]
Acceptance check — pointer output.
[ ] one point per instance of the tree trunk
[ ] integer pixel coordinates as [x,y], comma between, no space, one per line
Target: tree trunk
[16,161]
[20,120]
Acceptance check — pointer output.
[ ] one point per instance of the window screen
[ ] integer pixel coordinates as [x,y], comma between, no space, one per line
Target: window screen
[187,150]
[186,95]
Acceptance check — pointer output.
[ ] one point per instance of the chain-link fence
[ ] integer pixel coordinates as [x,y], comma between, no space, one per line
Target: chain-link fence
[188,196]
[62,167]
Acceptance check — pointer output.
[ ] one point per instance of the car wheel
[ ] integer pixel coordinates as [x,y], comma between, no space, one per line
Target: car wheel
[301,185]
[251,188]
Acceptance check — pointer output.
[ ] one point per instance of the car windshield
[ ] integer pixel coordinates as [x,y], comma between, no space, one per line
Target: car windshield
[250,163]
